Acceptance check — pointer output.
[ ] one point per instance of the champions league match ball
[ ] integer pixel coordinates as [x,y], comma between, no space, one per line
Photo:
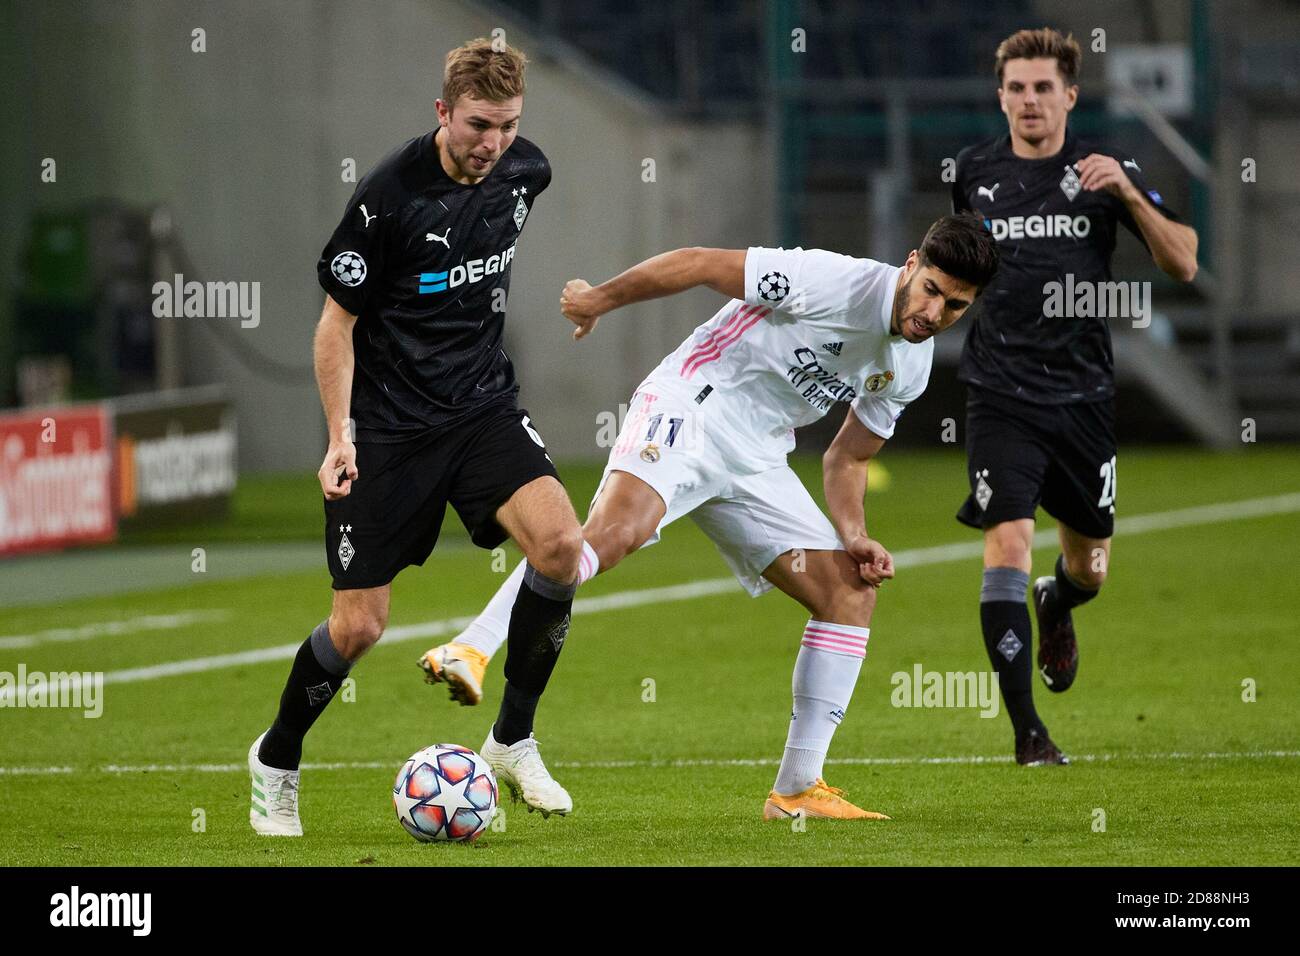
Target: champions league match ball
[445,793]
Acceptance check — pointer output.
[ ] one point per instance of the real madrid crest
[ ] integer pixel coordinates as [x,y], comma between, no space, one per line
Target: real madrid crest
[878,381]
[650,454]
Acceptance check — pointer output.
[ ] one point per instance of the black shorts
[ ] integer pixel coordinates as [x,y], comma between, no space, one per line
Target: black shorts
[1020,454]
[394,512]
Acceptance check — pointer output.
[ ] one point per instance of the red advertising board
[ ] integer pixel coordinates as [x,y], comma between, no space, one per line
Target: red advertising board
[55,479]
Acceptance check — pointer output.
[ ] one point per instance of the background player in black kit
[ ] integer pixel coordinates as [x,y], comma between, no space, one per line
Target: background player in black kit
[1040,391]
[420,400]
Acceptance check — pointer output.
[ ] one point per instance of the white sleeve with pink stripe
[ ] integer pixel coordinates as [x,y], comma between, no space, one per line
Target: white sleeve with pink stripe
[810,283]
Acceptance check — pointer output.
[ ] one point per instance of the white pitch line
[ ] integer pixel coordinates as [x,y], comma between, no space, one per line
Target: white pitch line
[657,764]
[915,557]
[409,632]
[132,625]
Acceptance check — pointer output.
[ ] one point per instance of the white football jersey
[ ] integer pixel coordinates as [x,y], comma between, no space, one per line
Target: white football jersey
[813,330]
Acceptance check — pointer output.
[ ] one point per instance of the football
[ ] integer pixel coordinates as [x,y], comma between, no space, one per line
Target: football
[445,792]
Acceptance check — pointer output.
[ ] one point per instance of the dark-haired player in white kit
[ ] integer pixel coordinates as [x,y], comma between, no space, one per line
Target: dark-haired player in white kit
[1040,401]
[709,430]
[409,348]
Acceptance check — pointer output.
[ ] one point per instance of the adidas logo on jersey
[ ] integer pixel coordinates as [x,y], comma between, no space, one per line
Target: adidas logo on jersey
[833,347]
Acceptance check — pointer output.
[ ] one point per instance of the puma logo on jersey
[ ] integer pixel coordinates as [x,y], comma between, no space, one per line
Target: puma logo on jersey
[368,216]
[1132,165]
[434,237]
[986,191]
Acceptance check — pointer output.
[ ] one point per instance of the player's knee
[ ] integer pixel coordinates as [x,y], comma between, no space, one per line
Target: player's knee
[557,556]
[354,634]
[1090,574]
[1007,547]
[615,540]
[847,604]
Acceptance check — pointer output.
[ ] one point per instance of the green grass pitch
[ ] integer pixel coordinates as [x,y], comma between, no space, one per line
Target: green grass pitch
[1184,770]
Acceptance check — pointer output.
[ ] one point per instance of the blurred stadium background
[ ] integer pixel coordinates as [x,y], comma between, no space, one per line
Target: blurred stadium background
[131,156]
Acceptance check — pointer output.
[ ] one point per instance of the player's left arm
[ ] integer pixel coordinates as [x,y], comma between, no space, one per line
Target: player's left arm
[1172,244]
[844,478]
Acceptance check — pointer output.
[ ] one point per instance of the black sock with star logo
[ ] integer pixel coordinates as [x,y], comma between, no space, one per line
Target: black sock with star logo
[317,673]
[539,622]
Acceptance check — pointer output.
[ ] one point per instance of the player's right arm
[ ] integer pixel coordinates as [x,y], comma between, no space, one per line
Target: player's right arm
[350,270]
[805,283]
[668,273]
[332,352]
[844,478]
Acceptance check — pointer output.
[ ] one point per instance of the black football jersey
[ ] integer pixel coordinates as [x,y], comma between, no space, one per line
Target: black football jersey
[424,263]
[1047,228]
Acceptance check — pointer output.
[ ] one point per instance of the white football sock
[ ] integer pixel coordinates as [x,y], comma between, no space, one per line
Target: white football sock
[490,629]
[588,564]
[830,657]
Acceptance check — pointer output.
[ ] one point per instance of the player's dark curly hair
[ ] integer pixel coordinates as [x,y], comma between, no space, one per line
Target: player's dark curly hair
[961,246]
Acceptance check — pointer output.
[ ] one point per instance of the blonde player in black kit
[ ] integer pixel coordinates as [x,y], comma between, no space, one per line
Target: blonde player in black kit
[420,400]
[1040,390]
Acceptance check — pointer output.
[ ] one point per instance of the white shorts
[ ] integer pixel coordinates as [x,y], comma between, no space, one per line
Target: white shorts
[670,443]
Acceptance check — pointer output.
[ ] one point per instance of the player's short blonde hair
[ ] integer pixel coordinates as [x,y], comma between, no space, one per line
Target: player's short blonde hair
[1033,44]
[485,69]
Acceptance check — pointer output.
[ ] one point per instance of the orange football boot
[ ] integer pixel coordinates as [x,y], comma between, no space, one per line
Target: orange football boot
[819,800]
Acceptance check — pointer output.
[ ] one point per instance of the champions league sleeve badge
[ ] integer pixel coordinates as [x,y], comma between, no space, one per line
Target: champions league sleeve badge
[773,286]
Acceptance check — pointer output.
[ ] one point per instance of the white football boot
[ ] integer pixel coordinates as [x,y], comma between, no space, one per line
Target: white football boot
[274,811]
[520,768]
